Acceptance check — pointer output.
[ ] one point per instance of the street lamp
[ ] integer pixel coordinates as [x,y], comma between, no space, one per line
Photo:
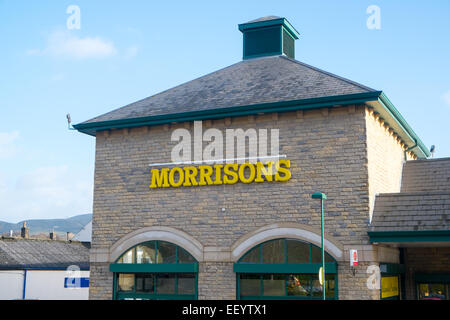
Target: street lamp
[321,196]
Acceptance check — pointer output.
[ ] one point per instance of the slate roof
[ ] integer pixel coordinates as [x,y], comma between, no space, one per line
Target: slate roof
[248,82]
[422,211]
[423,203]
[30,253]
[426,175]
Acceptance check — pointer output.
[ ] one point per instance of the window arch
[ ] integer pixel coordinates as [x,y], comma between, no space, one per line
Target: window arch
[155,270]
[285,269]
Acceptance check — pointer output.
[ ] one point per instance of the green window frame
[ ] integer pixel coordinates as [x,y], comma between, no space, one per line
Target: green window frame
[179,264]
[421,279]
[253,266]
[393,270]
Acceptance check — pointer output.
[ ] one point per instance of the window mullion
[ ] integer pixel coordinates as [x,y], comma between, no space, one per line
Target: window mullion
[285,284]
[261,285]
[260,253]
[285,251]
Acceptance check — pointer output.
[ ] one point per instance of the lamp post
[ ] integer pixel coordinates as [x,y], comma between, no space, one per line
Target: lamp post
[321,196]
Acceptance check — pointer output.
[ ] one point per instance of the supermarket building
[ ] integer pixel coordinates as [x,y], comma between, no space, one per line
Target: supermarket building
[164,230]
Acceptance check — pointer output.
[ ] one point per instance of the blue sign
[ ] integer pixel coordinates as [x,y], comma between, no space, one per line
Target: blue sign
[76,282]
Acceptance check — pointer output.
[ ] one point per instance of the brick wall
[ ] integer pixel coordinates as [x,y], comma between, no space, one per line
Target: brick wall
[385,156]
[328,153]
[101,284]
[216,280]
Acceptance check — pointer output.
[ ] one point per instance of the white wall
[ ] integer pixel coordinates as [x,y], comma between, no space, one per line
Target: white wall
[11,284]
[49,285]
[40,285]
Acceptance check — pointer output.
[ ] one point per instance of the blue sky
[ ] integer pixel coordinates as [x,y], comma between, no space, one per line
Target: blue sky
[128,50]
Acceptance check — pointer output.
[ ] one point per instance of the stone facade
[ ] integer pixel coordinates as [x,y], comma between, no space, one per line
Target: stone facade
[342,151]
[385,154]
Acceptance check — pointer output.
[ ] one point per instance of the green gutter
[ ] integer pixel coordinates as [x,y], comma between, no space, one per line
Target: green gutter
[410,236]
[314,103]
[396,114]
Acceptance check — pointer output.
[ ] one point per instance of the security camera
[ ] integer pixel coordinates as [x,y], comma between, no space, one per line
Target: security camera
[432,150]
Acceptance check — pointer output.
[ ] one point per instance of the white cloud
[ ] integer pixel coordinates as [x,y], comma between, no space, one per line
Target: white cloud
[47,192]
[7,147]
[65,44]
[446,97]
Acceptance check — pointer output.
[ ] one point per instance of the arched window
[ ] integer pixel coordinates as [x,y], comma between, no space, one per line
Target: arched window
[285,269]
[155,270]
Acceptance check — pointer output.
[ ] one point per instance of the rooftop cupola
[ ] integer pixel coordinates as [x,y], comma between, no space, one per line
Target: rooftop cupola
[268,36]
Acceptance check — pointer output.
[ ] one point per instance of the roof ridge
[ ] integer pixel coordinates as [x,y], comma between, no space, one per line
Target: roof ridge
[329,73]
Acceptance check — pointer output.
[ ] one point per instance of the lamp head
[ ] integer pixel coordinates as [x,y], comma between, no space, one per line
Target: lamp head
[319,195]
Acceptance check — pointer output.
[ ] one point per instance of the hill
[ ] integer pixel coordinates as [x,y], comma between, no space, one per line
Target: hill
[60,226]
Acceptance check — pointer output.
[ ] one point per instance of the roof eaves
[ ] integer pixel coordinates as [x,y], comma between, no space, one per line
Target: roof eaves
[409,236]
[83,265]
[90,128]
[388,105]
[375,98]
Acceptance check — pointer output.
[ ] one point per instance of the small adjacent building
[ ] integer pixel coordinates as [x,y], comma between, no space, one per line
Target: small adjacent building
[416,221]
[35,269]
[224,226]
[85,234]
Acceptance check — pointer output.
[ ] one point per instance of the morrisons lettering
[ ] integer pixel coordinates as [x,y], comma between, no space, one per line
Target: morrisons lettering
[221,174]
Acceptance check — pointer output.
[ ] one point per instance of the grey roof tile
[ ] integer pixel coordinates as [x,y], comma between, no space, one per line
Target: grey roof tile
[407,212]
[30,253]
[249,82]
[426,175]
[422,204]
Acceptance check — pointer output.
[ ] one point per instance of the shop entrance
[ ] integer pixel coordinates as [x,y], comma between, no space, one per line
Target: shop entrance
[285,269]
[432,286]
[155,270]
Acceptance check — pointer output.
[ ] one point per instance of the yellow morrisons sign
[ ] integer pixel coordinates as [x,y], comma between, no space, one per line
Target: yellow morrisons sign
[221,174]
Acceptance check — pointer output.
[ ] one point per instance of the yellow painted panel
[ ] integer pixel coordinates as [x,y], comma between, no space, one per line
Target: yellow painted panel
[389,287]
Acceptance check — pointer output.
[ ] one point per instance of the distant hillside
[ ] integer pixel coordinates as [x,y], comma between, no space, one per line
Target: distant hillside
[60,226]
